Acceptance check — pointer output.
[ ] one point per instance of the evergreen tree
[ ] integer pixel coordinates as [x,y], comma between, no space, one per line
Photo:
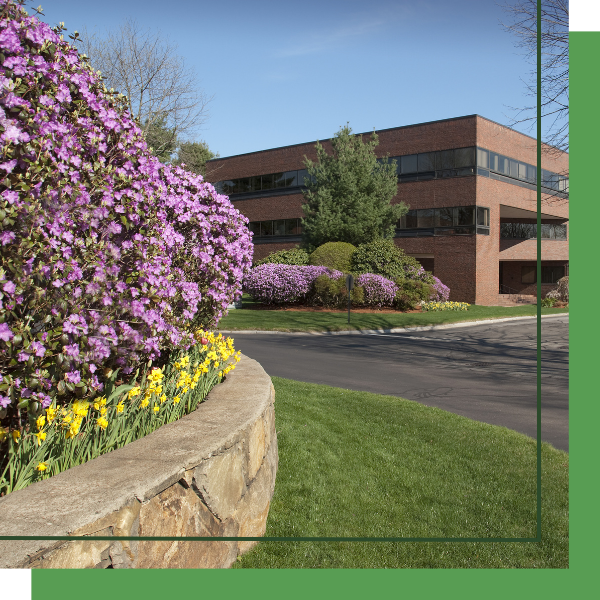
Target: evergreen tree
[161,139]
[349,192]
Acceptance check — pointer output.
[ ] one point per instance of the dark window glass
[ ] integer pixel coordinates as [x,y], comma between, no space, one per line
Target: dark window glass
[267,182]
[401,222]
[255,184]
[279,227]
[464,171]
[237,186]
[409,164]
[465,215]
[528,274]
[560,232]
[291,178]
[483,230]
[531,174]
[464,157]
[464,230]
[483,216]
[426,162]
[301,175]
[218,187]
[266,228]
[254,227]
[444,217]
[292,226]
[447,173]
[425,217]
[483,158]
[278,180]
[552,274]
[445,159]
[228,186]
[411,219]
[243,185]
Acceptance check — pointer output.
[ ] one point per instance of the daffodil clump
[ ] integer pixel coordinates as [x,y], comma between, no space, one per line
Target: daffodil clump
[435,306]
[61,437]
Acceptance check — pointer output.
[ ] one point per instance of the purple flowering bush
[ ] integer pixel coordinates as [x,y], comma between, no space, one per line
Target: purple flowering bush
[282,284]
[108,256]
[439,291]
[378,291]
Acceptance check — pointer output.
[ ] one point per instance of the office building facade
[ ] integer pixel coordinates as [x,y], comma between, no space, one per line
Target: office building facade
[470,185]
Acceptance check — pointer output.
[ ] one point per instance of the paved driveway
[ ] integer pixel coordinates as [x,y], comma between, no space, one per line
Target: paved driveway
[484,372]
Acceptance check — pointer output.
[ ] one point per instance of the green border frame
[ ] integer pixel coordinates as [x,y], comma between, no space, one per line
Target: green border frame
[585,127]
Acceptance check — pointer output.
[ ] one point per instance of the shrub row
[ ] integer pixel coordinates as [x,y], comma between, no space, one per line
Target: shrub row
[320,286]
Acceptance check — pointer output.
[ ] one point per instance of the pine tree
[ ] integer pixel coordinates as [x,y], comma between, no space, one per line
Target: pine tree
[349,192]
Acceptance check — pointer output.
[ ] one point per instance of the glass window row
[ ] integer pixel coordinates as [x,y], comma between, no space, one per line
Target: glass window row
[445,217]
[279,227]
[458,162]
[528,231]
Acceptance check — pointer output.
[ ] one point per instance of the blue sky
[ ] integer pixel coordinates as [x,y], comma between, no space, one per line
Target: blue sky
[287,73]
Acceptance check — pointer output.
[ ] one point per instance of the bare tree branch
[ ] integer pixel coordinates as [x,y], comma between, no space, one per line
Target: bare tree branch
[555,66]
[145,67]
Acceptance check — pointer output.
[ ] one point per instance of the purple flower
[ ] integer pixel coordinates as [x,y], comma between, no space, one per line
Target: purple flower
[9,288]
[38,349]
[5,333]
[73,376]
[4,401]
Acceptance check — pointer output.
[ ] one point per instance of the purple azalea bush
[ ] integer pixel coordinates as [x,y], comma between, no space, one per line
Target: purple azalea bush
[108,256]
[281,284]
[378,291]
[439,292]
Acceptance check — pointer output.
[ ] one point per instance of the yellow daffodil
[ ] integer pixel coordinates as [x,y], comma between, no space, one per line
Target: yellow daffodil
[16,435]
[102,423]
[156,408]
[176,400]
[41,436]
[42,466]
[144,402]
[40,421]
[120,407]
[133,392]
[51,413]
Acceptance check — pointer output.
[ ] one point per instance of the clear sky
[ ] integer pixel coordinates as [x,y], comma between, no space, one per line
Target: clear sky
[284,73]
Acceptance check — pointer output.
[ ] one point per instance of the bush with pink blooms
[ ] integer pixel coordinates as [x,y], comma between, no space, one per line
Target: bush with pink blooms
[109,257]
[284,284]
[378,291]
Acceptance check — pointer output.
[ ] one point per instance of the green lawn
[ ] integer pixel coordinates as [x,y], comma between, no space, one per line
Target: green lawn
[282,320]
[364,465]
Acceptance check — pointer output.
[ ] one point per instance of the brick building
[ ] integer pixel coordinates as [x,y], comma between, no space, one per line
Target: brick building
[470,184]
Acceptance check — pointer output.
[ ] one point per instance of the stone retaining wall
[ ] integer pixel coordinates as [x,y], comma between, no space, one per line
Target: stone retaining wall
[211,473]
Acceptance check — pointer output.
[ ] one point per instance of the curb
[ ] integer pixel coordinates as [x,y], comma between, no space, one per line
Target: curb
[394,330]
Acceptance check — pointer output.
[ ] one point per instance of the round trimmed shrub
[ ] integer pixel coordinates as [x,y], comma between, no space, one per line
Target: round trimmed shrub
[109,257]
[383,257]
[283,284]
[295,256]
[333,255]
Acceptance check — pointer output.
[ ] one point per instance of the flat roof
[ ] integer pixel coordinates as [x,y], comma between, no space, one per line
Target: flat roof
[378,131]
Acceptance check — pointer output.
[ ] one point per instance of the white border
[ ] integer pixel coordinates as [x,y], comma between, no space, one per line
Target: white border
[16,584]
[584,15]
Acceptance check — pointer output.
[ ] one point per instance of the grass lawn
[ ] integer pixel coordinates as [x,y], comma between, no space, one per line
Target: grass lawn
[283,320]
[364,465]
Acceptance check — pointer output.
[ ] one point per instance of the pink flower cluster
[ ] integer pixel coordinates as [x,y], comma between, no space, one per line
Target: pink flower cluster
[281,284]
[108,256]
[378,291]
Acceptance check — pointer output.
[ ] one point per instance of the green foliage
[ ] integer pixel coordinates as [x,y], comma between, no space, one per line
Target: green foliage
[161,140]
[295,256]
[332,293]
[382,257]
[410,293]
[194,156]
[349,192]
[549,302]
[334,255]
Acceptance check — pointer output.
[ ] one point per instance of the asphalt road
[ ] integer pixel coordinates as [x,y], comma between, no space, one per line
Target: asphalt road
[484,372]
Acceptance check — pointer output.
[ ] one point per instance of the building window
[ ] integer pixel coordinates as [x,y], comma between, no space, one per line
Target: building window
[550,274]
[528,274]
[528,231]
[275,228]
[456,220]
